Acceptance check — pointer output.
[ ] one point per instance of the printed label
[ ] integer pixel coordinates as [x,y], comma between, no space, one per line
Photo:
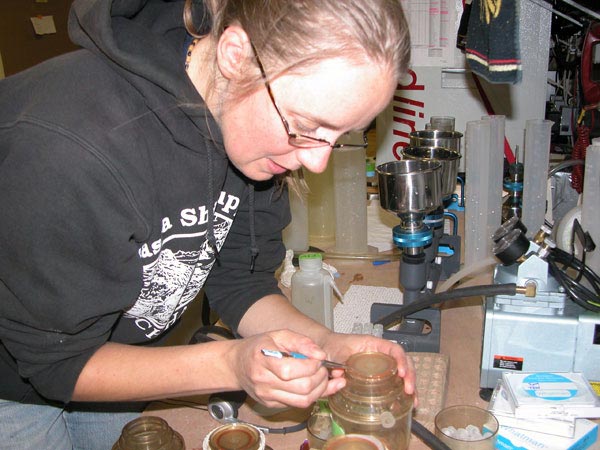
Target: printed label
[508,362]
[549,386]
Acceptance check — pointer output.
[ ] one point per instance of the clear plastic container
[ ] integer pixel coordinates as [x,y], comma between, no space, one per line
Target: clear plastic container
[373,402]
[295,235]
[538,135]
[312,289]
[350,194]
[149,433]
[321,207]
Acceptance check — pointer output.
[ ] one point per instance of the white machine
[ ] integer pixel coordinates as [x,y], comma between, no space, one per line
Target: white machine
[555,327]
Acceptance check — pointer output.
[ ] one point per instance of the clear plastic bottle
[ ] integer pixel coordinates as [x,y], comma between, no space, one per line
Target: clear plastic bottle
[312,289]
[373,402]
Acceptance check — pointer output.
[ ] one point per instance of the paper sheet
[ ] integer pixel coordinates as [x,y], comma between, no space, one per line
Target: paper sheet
[356,306]
[43,25]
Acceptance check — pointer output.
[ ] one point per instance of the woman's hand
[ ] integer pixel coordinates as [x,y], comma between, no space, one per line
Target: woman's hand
[339,347]
[282,382]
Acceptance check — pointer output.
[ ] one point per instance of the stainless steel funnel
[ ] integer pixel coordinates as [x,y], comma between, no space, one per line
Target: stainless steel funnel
[436,138]
[410,187]
[448,158]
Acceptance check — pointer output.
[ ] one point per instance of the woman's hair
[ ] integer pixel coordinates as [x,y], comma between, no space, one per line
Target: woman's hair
[293,35]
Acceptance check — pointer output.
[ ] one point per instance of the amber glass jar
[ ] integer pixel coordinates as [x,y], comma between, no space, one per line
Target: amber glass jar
[235,436]
[353,442]
[149,433]
[373,401]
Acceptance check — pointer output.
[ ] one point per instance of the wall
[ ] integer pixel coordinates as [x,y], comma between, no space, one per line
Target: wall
[450,91]
[20,47]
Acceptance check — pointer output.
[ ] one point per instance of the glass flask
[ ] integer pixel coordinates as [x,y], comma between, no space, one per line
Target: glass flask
[373,402]
[149,433]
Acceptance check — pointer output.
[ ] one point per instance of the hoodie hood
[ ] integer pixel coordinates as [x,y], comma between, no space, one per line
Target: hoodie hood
[145,41]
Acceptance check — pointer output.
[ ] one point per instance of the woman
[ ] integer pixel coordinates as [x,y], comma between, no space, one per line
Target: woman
[146,166]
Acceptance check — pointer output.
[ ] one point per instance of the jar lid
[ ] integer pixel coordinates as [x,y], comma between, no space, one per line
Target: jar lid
[235,436]
[353,442]
[371,365]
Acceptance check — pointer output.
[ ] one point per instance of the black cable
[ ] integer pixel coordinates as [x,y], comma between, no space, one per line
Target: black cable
[186,404]
[455,294]
[283,430]
[430,439]
[580,294]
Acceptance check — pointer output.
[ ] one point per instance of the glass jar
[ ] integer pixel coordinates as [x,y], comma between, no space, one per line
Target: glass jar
[353,442]
[149,433]
[235,436]
[373,402]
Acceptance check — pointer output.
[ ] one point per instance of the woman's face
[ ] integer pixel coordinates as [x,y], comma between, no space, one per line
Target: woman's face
[336,97]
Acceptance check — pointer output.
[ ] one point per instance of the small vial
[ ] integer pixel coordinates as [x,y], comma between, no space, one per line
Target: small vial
[357,328]
[378,330]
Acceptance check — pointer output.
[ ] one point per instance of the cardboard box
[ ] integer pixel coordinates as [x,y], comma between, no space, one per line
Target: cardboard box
[586,434]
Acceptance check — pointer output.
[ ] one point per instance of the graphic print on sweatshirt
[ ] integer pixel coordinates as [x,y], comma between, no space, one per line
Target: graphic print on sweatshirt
[176,274]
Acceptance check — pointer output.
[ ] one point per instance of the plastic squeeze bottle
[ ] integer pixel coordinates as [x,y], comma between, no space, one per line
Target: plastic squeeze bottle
[312,289]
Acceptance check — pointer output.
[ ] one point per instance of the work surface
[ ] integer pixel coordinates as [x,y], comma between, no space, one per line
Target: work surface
[461,336]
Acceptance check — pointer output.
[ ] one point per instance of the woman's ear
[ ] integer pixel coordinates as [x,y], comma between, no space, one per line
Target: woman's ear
[233,49]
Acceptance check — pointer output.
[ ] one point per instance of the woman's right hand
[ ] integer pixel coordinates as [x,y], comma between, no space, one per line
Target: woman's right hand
[277,382]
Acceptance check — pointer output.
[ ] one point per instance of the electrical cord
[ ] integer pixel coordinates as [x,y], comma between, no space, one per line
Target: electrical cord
[580,294]
[455,294]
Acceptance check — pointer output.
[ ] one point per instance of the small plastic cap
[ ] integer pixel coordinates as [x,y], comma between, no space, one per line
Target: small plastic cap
[310,261]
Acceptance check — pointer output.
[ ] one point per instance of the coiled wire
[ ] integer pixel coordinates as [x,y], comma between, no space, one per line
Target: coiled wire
[569,272]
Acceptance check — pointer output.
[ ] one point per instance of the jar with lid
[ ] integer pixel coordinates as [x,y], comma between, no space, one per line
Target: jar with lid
[373,402]
[149,433]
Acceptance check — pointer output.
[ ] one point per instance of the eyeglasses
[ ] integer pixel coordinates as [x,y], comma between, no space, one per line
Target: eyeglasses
[296,139]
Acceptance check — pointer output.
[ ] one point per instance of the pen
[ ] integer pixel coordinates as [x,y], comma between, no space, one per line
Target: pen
[296,355]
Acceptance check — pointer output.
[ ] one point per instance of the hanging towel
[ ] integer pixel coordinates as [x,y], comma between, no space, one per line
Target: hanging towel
[492,41]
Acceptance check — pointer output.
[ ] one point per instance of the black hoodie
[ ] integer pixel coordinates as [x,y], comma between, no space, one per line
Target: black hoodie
[110,165]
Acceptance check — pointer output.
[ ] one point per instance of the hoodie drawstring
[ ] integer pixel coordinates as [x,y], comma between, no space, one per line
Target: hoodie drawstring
[210,234]
[253,246]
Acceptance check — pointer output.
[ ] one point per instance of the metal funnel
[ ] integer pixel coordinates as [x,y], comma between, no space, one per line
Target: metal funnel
[410,187]
[436,138]
[448,158]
